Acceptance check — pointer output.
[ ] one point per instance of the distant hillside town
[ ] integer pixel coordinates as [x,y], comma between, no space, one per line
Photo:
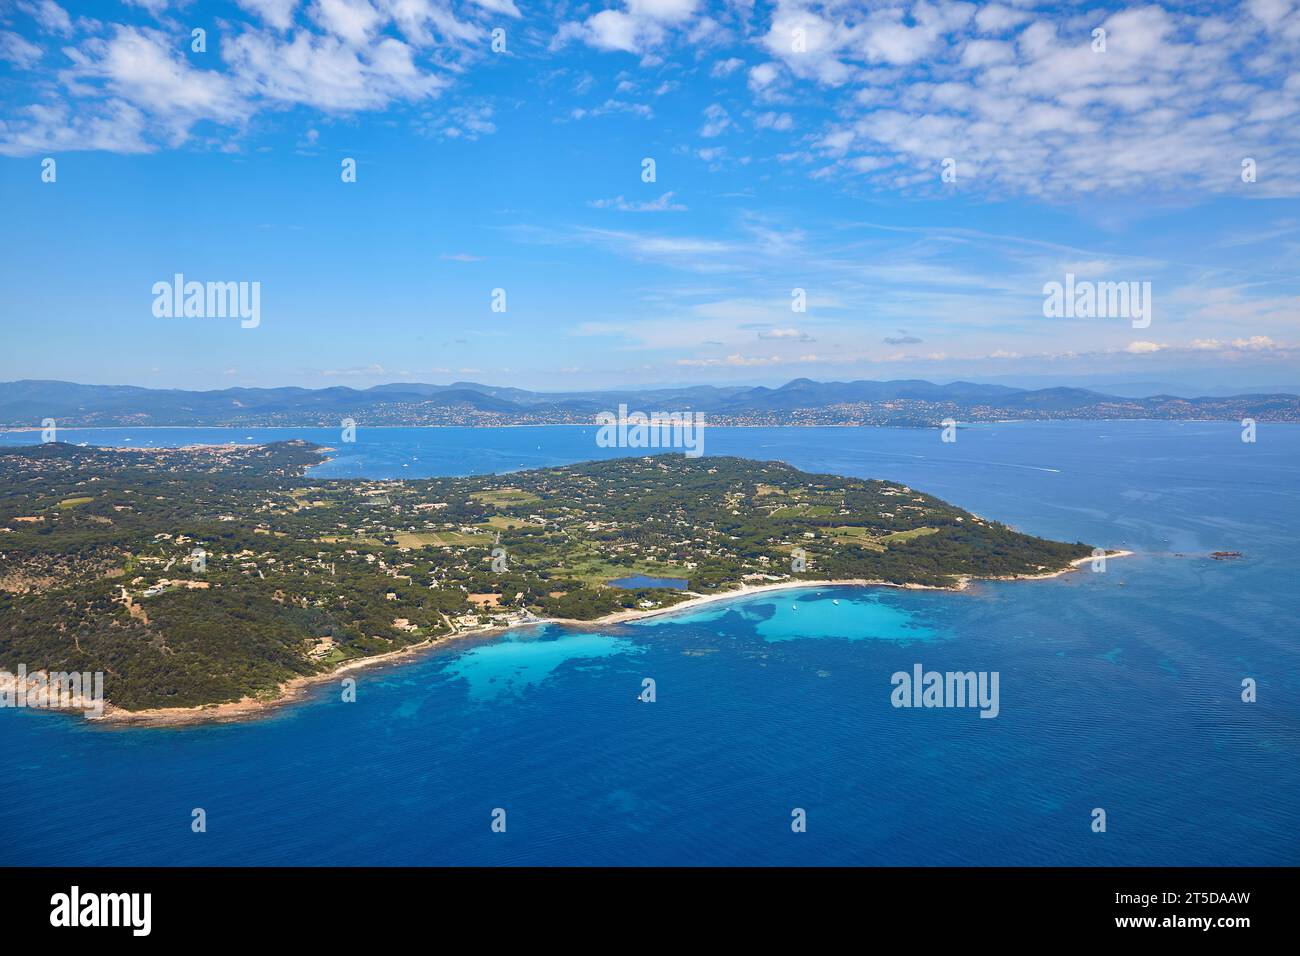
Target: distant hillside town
[907,403]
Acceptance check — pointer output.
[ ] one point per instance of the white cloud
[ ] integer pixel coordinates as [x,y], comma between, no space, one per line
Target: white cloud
[639,28]
[762,77]
[978,53]
[1253,343]
[726,67]
[18,51]
[996,18]
[614,30]
[1256,343]
[51,17]
[795,335]
[278,13]
[743,361]
[113,126]
[776,121]
[354,21]
[663,204]
[666,11]
[884,91]
[1270,12]
[716,121]
[341,56]
[1020,99]
[153,6]
[142,66]
[612,106]
[500,6]
[460,122]
[328,73]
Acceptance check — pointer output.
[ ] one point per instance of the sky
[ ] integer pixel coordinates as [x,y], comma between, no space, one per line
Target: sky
[915,174]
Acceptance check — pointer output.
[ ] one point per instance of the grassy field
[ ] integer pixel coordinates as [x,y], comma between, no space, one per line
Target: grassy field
[505,522]
[804,511]
[335,657]
[898,537]
[592,569]
[73,502]
[306,498]
[865,539]
[505,497]
[859,536]
[441,539]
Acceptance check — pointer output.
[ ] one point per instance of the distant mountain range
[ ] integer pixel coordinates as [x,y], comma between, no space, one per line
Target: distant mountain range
[800,402]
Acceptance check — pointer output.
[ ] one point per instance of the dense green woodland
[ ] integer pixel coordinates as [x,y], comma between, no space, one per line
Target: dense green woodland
[98,569]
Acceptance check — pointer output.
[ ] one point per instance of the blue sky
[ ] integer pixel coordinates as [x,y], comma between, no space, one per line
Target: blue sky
[797,145]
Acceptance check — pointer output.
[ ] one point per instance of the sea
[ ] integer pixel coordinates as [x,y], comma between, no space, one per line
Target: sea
[1121,735]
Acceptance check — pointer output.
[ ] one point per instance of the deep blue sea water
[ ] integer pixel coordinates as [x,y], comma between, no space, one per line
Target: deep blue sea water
[1118,690]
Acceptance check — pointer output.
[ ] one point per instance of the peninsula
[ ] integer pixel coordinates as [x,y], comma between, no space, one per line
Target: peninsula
[214,575]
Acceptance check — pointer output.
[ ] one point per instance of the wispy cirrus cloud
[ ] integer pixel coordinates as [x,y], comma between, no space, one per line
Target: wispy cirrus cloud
[664,203]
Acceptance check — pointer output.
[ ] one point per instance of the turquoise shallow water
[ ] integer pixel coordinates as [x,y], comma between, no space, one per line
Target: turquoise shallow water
[1118,690]
[520,660]
[843,613]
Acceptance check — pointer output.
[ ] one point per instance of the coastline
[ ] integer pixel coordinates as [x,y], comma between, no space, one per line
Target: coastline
[295,689]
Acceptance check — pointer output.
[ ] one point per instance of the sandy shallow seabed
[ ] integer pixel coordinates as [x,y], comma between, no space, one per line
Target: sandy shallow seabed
[250,708]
